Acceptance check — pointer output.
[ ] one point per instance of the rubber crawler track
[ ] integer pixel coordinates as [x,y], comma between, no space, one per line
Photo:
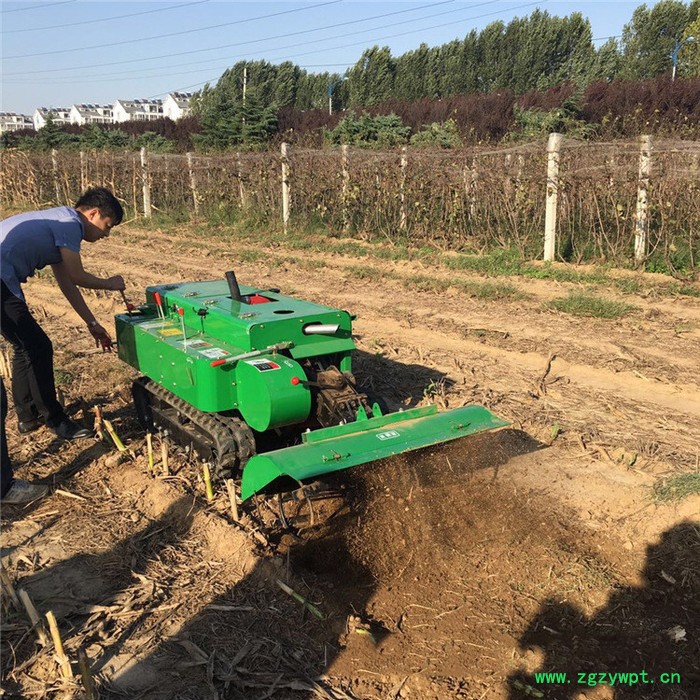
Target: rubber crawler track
[233,440]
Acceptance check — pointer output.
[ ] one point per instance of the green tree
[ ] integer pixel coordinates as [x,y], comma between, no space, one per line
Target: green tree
[445,135]
[649,39]
[410,71]
[52,135]
[259,119]
[371,79]
[154,142]
[689,52]
[286,83]
[381,131]
[493,61]
[607,62]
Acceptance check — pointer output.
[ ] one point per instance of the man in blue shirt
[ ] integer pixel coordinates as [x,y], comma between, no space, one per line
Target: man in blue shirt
[29,242]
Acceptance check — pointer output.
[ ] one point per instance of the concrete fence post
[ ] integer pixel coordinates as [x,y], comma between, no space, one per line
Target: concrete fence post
[285,187]
[641,228]
[239,175]
[550,220]
[402,189]
[193,182]
[145,184]
[345,165]
[56,185]
[83,171]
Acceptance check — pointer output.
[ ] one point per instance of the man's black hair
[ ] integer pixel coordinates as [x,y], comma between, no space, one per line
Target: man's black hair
[102,199]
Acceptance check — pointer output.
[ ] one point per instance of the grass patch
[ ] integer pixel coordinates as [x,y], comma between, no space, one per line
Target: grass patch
[684,290]
[423,283]
[248,255]
[62,377]
[369,274]
[579,304]
[677,487]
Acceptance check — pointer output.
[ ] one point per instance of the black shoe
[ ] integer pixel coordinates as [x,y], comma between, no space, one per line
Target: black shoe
[68,430]
[29,426]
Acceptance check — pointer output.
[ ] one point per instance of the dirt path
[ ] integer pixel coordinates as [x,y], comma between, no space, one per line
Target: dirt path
[457,572]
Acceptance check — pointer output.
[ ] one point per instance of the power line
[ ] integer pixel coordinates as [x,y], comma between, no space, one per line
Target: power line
[163,36]
[254,41]
[390,36]
[140,72]
[104,19]
[37,7]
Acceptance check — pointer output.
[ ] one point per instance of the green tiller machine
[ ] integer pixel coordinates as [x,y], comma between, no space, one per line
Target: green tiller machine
[225,365]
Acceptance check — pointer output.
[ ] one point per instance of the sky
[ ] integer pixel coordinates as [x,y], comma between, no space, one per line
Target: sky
[56,53]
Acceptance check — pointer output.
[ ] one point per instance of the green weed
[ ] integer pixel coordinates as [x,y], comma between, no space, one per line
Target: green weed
[579,304]
[368,274]
[677,487]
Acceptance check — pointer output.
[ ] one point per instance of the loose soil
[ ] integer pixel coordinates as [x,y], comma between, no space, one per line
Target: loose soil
[457,571]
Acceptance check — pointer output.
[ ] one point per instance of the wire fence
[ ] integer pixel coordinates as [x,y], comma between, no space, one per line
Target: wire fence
[476,199]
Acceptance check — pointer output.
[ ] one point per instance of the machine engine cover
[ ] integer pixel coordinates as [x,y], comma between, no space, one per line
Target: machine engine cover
[272,392]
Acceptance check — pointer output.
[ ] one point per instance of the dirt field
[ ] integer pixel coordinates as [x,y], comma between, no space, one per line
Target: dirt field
[453,572]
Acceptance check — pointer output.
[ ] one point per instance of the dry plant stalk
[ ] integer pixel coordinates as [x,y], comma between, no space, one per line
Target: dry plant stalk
[99,423]
[8,587]
[149,452]
[164,455]
[231,488]
[4,364]
[61,657]
[112,433]
[86,675]
[300,599]
[33,616]
[206,474]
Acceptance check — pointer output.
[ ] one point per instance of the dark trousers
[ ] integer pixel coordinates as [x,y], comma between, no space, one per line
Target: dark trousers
[5,463]
[33,388]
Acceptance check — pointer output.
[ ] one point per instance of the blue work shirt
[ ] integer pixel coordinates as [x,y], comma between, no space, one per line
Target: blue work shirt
[32,240]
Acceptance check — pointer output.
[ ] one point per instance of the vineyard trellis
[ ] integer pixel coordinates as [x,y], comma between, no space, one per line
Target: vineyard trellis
[469,199]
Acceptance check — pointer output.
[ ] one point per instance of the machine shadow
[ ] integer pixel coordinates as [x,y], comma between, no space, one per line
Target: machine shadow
[396,383]
[646,632]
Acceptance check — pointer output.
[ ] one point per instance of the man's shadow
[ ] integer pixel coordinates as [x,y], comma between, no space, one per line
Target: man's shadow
[79,590]
[256,639]
[649,632]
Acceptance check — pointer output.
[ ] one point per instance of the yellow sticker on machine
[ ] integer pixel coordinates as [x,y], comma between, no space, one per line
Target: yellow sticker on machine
[170,331]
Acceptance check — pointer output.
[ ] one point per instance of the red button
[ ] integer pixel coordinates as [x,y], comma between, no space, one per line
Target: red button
[295,381]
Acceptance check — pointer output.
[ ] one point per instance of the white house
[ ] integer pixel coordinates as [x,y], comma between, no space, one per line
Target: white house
[177,105]
[60,115]
[90,114]
[136,110]
[9,121]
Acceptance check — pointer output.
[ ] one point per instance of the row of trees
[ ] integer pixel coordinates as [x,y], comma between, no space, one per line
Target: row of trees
[530,53]
[489,84]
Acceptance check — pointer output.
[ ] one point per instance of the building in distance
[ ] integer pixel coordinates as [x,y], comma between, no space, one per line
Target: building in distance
[136,110]
[177,105]
[59,115]
[9,121]
[90,114]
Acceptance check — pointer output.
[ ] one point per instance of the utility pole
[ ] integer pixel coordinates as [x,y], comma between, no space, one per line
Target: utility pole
[245,85]
[674,55]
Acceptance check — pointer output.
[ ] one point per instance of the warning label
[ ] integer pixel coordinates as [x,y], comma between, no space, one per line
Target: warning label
[214,353]
[263,365]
